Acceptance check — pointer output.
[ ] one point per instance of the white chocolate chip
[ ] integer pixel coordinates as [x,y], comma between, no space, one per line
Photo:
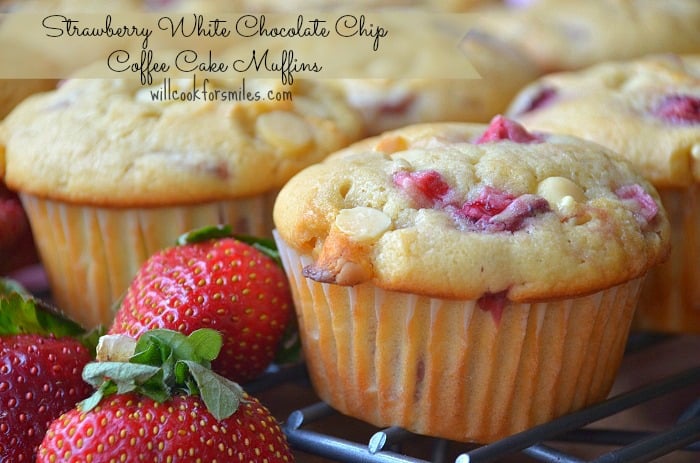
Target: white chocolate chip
[284,130]
[561,193]
[412,156]
[402,164]
[695,151]
[567,205]
[362,223]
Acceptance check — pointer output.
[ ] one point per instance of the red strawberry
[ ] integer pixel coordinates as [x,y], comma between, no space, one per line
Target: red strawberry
[679,109]
[16,242]
[130,427]
[213,282]
[173,408]
[39,375]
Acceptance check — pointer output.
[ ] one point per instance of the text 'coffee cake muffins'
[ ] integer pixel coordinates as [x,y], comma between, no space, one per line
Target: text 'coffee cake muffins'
[466,281]
[648,110]
[108,175]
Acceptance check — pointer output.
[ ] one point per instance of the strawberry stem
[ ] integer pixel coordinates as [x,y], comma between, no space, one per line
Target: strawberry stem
[166,363]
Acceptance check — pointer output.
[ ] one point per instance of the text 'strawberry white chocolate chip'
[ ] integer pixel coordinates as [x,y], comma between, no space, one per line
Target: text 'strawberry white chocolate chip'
[362,223]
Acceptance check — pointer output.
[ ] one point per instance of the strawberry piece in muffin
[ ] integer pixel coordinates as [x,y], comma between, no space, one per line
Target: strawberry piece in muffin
[494,211]
[540,98]
[426,188]
[641,203]
[494,303]
[679,109]
[491,211]
[502,128]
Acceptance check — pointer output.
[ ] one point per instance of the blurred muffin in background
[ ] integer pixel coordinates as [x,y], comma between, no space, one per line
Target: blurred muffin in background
[428,69]
[109,174]
[648,110]
[565,35]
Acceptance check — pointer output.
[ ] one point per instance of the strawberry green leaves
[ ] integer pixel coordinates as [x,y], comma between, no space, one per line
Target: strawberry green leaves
[221,396]
[166,363]
[265,245]
[21,313]
[24,315]
[8,286]
[205,233]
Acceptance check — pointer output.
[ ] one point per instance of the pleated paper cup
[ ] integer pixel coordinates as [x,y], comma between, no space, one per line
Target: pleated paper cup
[449,369]
[670,300]
[91,254]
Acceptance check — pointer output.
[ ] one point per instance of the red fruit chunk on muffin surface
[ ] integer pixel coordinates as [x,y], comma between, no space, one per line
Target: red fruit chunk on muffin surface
[426,187]
[496,211]
[644,206]
[492,210]
[501,128]
[679,109]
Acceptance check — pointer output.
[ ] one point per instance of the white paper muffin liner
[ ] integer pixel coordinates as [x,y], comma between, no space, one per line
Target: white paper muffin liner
[91,254]
[670,300]
[447,368]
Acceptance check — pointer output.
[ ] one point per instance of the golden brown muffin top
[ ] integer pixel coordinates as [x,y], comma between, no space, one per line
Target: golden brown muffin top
[107,142]
[464,210]
[648,110]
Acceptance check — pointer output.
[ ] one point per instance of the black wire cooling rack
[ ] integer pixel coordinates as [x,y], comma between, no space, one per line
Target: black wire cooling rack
[310,430]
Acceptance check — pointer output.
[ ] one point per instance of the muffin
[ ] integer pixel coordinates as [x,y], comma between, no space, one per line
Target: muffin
[430,68]
[566,35]
[295,6]
[648,110]
[108,174]
[17,248]
[392,103]
[28,18]
[464,281]
[13,91]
